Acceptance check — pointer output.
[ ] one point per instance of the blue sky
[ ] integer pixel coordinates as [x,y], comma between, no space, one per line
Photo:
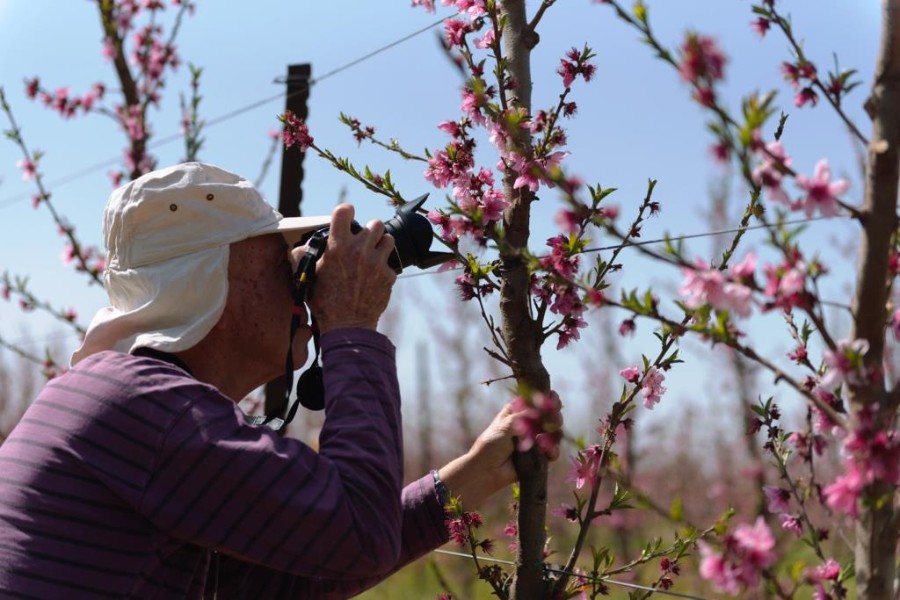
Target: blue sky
[635,122]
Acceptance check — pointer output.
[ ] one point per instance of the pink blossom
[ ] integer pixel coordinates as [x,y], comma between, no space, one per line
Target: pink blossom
[473,8]
[721,152]
[757,542]
[493,204]
[704,286]
[821,192]
[806,96]
[631,374]
[744,270]
[452,165]
[627,327]
[472,103]
[527,174]
[701,59]
[567,512]
[792,524]
[746,552]
[895,324]
[426,4]
[109,49]
[845,363]
[32,87]
[29,169]
[295,131]
[455,31]
[450,127]
[821,421]
[829,571]
[761,26]
[768,174]
[585,467]
[115,177]
[68,254]
[652,388]
[487,40]
[567,220]
[539,421]
[575,64]
[843,494]
[786,284]
[777,499]
[716,570]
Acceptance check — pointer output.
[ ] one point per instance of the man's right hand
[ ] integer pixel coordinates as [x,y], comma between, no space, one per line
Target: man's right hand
[353,279]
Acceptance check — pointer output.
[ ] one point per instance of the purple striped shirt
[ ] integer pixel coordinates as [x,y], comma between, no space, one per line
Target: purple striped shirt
[128,478]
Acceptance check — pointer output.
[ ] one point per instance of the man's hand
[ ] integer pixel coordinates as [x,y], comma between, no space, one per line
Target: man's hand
[487,467]
[353,279]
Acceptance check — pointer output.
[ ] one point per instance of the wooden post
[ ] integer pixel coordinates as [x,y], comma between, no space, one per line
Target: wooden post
[290,197]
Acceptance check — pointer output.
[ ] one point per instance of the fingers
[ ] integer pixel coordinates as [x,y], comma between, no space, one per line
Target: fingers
[341,221]
[353,278]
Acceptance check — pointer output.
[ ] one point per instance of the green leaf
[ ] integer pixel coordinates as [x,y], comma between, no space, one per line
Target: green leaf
[640,11]
[676,509]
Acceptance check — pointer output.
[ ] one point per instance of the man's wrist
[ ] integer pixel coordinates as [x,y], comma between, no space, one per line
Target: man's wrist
[440,488]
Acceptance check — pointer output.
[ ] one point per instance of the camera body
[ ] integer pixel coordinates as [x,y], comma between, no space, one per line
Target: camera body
[412,235]
[412,247]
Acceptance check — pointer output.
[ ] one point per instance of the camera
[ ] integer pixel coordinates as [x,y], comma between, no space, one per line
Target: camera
[412,235]
[412,247]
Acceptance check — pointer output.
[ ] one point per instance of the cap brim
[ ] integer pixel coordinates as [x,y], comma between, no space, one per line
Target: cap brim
[294,228]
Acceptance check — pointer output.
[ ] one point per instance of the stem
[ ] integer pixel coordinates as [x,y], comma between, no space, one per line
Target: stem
[785,28]
[44,195]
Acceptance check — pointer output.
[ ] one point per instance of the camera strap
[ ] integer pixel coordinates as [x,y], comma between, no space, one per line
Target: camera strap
[310,387]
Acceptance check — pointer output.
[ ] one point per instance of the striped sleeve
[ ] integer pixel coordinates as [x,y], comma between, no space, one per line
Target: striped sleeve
[423,530]
[250,494]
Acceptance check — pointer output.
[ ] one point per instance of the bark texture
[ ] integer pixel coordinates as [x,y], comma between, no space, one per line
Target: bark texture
[522,333]
[876,529]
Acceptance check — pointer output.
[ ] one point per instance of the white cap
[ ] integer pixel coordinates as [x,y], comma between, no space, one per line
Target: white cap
[167,235]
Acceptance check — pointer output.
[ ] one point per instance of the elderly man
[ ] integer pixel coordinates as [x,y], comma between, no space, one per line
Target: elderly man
[136,475]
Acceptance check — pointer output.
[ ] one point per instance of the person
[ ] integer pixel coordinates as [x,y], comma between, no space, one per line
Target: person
[135,474]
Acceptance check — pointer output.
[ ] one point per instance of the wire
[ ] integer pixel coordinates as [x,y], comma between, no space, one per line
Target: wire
[687,236]
[110,162]
[579,575]
[691,236]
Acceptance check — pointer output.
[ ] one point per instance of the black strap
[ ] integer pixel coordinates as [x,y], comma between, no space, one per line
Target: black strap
[310,387]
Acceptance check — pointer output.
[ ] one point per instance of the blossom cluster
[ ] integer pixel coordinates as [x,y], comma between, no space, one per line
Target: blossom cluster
[460,526]
[475,9]
[576,64]
[872,455]
[821,193]
[539,421]
[723,291]
[651,383]
[585,468]
[801,74]
[746,553]
[149,54]
[295,131]
[62,100]
[554,286]
[702,64]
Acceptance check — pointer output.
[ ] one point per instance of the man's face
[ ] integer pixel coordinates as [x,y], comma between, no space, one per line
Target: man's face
[260,304]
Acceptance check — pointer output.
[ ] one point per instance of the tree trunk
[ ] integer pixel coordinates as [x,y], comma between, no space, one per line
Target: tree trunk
[876,529]
[522,334]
